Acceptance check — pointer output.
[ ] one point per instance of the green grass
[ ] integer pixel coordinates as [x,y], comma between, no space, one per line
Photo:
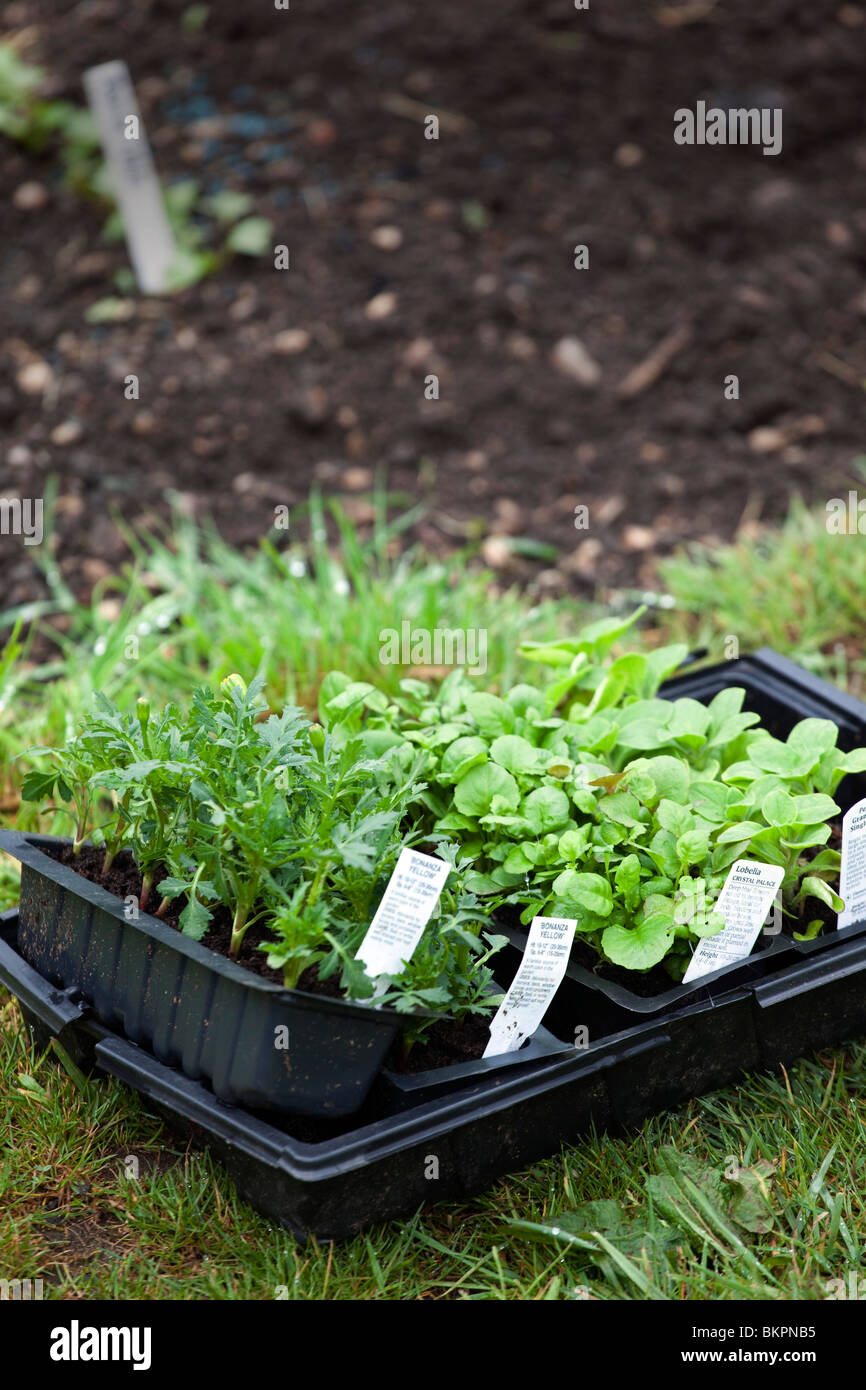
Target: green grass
[68,1212]
[799,589]
[72,1216]
[306,608]
[192,608]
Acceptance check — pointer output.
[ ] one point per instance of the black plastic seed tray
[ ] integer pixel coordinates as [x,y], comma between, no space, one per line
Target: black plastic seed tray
[333,1178]
[456,1133]
[193,1007]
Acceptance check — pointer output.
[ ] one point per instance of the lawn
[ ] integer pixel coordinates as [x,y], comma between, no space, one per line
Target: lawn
[747,1193]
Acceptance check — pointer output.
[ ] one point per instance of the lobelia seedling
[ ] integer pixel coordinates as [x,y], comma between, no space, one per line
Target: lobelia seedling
[588,796]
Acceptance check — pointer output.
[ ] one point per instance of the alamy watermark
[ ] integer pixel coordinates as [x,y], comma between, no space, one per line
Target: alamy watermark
[846,518]
[853,1288]
[694,905]
[77,1343]
[738,126]
[22,517]
[20,1290]
[440,646]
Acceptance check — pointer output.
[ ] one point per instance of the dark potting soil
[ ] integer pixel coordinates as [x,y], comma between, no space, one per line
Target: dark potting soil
[446,1044]
[559,132]
[124,880]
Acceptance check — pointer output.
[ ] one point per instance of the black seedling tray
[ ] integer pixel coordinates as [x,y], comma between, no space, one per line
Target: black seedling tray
[334,1177]
[191,1006]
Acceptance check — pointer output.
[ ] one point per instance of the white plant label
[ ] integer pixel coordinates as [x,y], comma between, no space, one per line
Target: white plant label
[412,893]
[852,878]
[538,977]
[130,165]
[744,903]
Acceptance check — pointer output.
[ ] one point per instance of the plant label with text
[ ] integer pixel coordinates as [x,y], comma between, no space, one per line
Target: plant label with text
[744,903]
[412,893]
[852,877]
[537,980]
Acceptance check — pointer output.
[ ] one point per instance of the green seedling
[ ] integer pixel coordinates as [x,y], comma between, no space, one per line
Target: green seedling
[275,820]
[588,796]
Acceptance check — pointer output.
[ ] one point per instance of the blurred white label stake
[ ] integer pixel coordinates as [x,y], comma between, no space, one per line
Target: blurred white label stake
[130,166]
[538,977]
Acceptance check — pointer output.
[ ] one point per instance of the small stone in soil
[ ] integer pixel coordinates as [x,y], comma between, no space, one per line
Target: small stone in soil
[381,306]
[291,341]
[34,378]
[572,359]
[66,433]
[30,196]
[386,238]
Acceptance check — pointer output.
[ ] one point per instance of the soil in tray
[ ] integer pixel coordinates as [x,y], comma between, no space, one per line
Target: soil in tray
[446,1044]
[124,880]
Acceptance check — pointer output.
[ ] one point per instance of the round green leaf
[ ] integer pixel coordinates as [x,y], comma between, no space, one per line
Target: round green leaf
[460,756]
[492,715]
[514,753]
[805,836]
[639,947]
[572,843]
[688,722]
[482,884]
[589,891]
[251,237]
[785,759]
[780,808]
[693,847]
[378,741]
[436,735]
[517,861]
[815,806]
[673,817]
[522,698]
[670,775]
[641,785]
[627,876]
[815,736]
[621,807]
[547,808]
[475,791]
[743,830]
[642,733]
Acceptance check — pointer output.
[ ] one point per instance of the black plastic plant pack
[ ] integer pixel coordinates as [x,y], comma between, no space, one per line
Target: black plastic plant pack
[448,1135]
